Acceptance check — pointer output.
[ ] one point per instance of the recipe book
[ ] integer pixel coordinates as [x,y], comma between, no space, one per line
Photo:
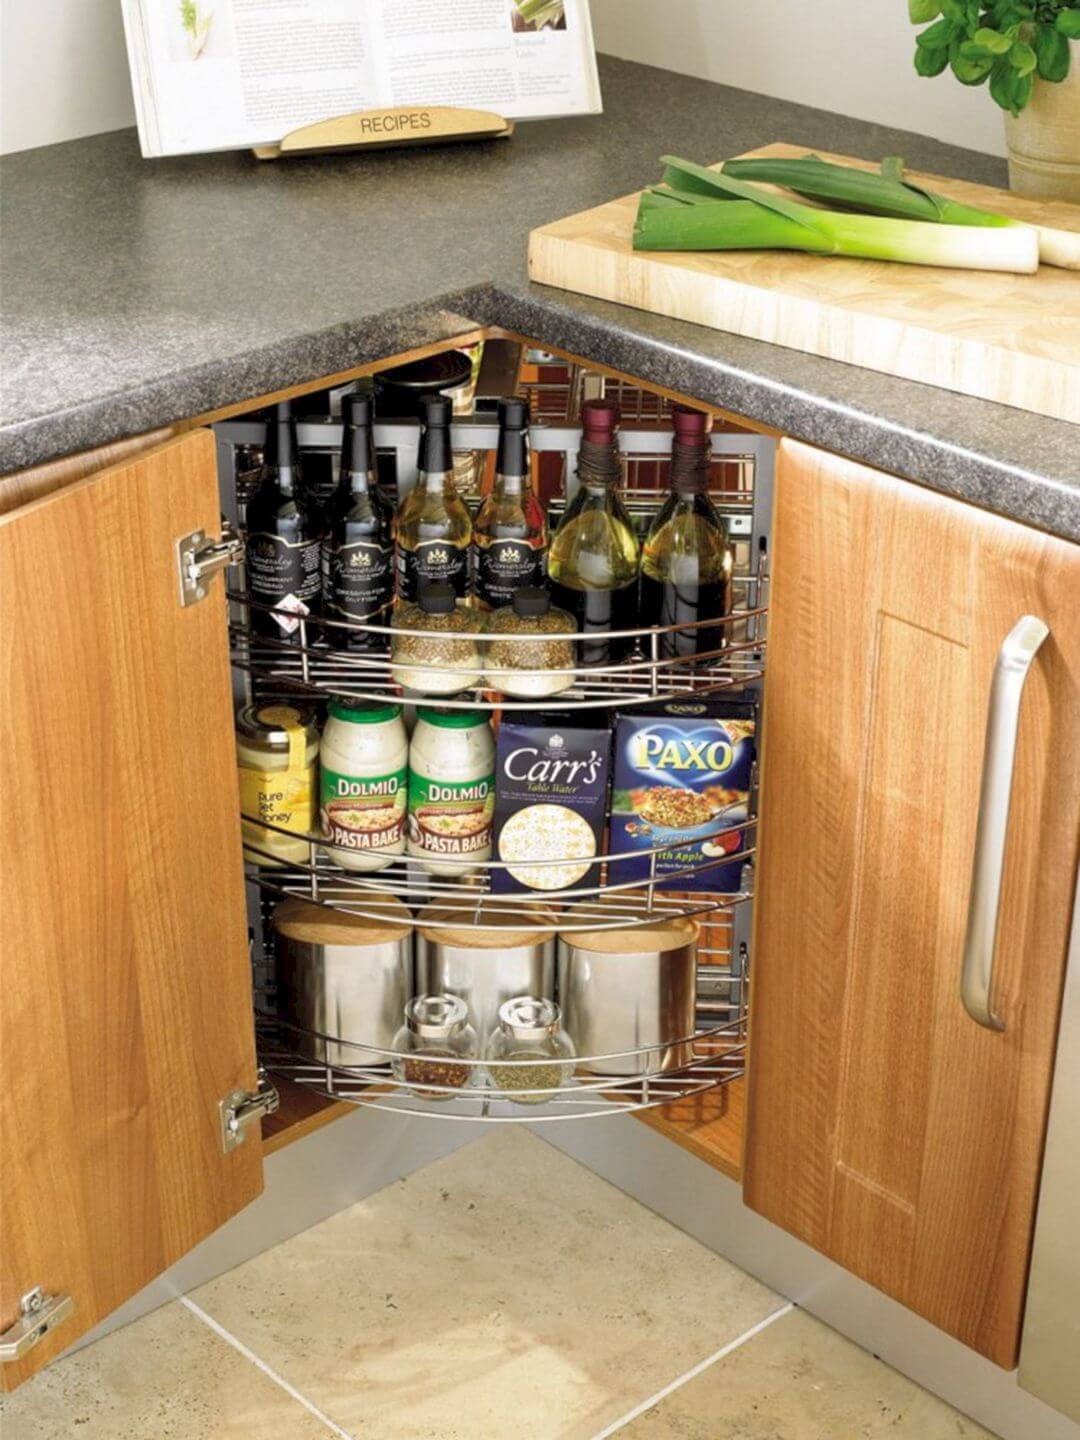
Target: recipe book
[228,74]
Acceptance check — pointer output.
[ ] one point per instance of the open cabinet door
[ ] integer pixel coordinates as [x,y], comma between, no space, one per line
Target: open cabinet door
[125,986]
[891,1124]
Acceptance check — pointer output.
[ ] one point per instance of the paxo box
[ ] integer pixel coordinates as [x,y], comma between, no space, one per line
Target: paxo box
[681,775]
[551,782]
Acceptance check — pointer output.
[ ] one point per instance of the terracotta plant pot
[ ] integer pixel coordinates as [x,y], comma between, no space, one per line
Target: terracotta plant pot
[1044,140]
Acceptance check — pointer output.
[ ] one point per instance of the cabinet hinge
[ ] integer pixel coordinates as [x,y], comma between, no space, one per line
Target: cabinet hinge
[240,1108]
[38,1314]
[198,559]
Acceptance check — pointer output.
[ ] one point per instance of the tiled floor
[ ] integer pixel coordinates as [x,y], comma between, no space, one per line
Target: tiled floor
[503,1293]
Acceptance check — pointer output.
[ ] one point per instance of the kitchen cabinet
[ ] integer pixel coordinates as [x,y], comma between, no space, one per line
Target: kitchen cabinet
[887,1126]
[884,1125]
[125,984]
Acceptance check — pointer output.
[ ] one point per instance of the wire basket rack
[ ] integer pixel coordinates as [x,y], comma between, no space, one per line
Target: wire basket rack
[527,1092]
[323,659]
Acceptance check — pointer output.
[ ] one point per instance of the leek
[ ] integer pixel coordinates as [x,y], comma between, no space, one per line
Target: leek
[889,193]
[743,216]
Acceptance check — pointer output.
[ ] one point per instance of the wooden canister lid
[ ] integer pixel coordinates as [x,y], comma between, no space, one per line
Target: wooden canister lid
[650,937]
[315,924]
[449,925]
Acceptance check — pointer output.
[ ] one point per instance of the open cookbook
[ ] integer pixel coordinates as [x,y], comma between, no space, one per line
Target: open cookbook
[227,74]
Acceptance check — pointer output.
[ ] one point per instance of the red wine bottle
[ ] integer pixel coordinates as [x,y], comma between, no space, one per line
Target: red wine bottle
[358,552]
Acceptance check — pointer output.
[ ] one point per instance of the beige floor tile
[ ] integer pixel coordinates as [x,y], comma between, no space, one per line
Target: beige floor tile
[502,1293]
[799,1380]
[166,1377]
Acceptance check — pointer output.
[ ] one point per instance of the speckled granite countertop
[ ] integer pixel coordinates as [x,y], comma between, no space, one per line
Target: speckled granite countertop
[137,293]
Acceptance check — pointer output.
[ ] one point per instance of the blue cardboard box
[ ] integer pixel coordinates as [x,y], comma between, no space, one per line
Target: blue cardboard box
[682,774]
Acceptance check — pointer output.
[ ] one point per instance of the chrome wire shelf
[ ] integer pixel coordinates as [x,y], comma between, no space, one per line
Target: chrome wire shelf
[711,1057]
[374,895]
[646,677]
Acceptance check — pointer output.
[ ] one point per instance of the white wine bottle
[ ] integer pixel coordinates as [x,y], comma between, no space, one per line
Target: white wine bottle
[594,556]
[688,560]
[433,528]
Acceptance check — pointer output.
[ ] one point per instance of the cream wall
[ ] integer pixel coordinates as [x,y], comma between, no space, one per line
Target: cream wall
[853,56]
[63,71]
[63,67]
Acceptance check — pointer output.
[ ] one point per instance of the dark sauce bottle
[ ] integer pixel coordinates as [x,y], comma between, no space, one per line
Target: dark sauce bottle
[284,539]
[358,552]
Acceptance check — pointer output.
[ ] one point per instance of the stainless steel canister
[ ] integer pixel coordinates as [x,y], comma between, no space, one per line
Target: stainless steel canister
[343,979]
[625,989]
[484,966]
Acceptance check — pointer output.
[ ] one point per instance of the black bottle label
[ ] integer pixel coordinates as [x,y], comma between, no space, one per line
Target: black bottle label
[357,579]
[285,575]
[504,566]
[431,561]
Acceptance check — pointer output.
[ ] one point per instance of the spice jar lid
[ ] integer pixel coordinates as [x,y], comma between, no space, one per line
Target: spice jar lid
[437,598]
[266,722]
[451,719]
[531,600]
[529,1017]
[373,712]
[436,1017]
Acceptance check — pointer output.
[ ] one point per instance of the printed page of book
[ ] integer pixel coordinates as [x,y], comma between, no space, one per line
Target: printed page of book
[228,74]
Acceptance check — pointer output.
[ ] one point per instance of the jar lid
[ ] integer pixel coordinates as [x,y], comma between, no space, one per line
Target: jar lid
[453,924]
[450,719]
[529,1017]
[373,712]
[442,371]
[531,600]
[266,721]
[438,598]
[649,937]
[321,924]
[436,1017]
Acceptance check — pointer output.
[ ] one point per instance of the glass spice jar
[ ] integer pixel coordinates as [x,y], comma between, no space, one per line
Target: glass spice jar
[530,667]
[529,1029]
[434,1047]
[416,659]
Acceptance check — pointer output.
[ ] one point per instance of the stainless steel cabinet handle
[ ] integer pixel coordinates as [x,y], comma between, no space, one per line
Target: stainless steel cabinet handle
[1017,652]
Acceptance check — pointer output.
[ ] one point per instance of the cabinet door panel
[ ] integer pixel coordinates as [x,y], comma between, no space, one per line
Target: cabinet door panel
[885,1127]
[125,990]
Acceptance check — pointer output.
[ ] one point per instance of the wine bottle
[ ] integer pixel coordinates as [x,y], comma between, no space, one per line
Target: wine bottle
[358,552]
[688,559]
[285,529]
[594,556]
[510,531]
[432,525]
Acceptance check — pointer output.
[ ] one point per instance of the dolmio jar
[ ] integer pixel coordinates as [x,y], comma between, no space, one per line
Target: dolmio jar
[451,790]
[362,787]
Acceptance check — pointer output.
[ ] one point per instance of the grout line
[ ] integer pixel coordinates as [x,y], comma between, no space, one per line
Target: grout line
[239,1345]
[693,1372]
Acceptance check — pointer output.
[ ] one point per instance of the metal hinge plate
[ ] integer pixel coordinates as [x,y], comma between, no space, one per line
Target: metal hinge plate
[239,1109]
[38,1314]
[199,559]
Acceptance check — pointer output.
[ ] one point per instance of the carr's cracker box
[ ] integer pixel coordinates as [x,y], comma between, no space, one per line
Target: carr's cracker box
[551,781]
[681,771]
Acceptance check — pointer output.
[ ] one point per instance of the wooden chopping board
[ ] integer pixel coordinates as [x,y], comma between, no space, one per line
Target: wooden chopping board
[1010,338]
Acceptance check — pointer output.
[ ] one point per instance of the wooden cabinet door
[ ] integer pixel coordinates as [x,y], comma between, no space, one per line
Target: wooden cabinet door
[886,1127]
[125,989]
